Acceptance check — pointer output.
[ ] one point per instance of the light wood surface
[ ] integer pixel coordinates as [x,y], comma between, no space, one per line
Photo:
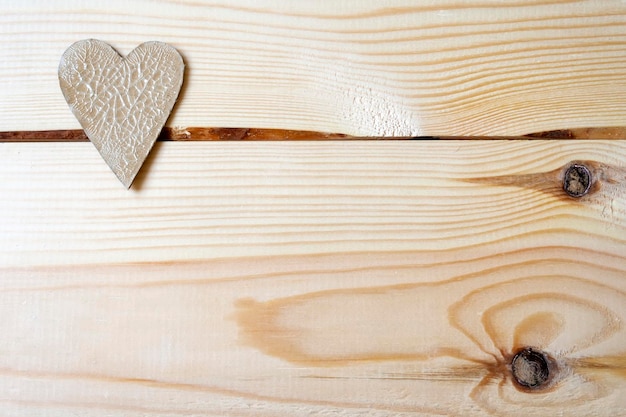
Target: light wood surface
[364,68]
[379,278]
[300,278]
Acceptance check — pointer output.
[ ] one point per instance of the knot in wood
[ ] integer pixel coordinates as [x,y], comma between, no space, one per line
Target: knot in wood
[577,180]
[531,369]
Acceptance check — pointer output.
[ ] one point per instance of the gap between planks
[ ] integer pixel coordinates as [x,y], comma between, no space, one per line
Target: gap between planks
[238,134]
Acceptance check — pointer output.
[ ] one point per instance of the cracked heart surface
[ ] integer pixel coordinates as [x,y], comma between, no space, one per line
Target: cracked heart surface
[121,103]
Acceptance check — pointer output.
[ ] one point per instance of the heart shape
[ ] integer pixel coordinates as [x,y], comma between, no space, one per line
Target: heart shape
[121,103]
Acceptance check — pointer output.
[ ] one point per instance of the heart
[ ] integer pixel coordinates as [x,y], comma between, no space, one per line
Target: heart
[121,103]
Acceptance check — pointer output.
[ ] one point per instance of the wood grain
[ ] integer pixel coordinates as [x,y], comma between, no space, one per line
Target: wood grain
[305,278]
[366,68]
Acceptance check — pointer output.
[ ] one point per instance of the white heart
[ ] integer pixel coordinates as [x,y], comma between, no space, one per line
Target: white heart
[121,103]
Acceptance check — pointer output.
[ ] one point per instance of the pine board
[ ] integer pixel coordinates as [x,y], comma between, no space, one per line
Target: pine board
[305,278]
[364,68]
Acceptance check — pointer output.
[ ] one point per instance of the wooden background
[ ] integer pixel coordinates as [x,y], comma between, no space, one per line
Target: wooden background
[365,67]
[381,278]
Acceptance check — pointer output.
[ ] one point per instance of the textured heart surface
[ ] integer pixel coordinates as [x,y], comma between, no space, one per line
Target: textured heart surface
[121,103]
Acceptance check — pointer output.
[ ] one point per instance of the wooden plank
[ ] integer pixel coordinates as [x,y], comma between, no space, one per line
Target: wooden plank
[306,278]
[366,68]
